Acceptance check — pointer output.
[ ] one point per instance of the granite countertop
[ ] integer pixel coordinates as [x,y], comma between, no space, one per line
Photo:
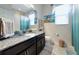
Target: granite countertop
[16,40]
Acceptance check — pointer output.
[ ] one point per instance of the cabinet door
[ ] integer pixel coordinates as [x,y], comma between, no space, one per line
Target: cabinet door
[39,46]
[40,42]
[43,42]
[31,50]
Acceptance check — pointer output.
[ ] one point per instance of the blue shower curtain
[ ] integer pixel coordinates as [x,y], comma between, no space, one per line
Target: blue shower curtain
[75,28]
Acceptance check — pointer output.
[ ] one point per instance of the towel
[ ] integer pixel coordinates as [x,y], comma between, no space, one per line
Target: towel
[7,28]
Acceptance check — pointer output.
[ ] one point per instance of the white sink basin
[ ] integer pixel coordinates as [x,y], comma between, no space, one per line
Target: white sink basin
[30,34]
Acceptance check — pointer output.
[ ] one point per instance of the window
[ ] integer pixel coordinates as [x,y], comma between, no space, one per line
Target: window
[61,20]
[61,14]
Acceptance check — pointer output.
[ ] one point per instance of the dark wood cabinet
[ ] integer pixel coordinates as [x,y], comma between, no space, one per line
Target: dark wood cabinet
[16,49]
[1,53]
[43,42]
[31,50]
[40,43]
[39,46]
[22,53]
[32,46]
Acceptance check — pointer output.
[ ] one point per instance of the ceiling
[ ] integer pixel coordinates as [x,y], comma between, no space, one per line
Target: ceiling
[20,7]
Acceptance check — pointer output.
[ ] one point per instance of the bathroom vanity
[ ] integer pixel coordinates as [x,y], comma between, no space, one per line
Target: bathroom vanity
[23,45]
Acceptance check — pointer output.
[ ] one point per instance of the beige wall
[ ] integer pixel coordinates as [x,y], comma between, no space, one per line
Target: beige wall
[46,8]
[63,30]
